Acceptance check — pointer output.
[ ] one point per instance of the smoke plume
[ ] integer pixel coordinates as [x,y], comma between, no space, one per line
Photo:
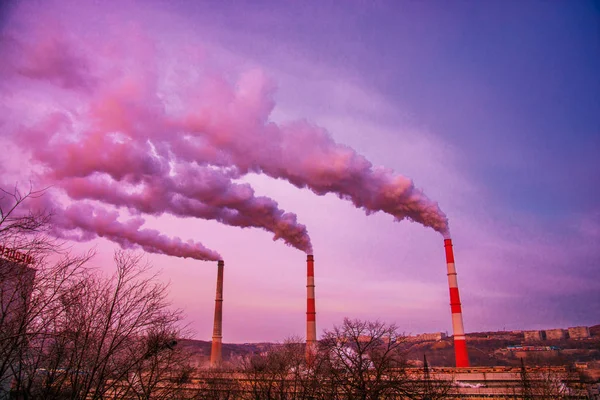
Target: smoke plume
[83,222]
[118,170]
[166,135]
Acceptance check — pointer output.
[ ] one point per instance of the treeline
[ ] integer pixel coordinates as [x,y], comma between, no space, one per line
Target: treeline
[356,360]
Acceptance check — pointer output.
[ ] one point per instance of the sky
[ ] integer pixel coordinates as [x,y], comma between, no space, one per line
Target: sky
[362,132]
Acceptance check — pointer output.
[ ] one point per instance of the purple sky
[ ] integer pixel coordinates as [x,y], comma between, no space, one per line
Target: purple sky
[491,108]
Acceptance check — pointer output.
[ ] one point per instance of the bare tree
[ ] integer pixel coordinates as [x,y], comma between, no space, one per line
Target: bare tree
[280,372]
[431,387]
[357,360]
[266,374]
[116,336]
[276,372]
[303,377]
[163,372]
[552,382]
[69,332]
[365,360]
[24,229]
[30,293]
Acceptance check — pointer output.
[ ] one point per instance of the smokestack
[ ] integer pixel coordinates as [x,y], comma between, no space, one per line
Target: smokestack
[216,356]
[311,324]
[460,344]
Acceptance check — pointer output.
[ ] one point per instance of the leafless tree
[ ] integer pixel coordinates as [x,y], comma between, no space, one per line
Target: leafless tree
[113,337]
[266,374]
[551,383]
[69,332]
[303,377]
[161,373]
[280,372]
[357,360]
[365,360]
[431,387]
[22,228]
[29,297]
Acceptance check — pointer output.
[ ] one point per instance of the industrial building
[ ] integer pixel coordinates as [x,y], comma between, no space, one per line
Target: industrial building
[464,383]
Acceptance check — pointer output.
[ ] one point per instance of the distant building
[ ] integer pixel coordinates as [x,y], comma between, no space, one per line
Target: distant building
[427,337]
[579,332]
[556,334]
[384,339]
[534,336]
[538,351]
[436,336]
[16,285]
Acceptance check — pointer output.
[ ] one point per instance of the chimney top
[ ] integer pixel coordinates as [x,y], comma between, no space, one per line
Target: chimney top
[220,263]
[309,257]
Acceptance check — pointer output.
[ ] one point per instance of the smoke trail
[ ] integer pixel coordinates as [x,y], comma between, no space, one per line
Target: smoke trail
[299,152]
[194,196]
[159,141]
[84,222]
[125,173]
[328,167]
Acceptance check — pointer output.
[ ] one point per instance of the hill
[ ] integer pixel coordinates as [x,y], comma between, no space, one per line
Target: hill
[504,348]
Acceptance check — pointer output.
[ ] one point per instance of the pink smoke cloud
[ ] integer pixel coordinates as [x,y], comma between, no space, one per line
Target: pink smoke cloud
[160,142]
[84,222]
[301,153]
[110,161]
[195,192]
[46,54]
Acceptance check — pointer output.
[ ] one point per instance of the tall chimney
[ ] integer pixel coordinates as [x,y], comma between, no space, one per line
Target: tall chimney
[460,344]
[216,350]
[311,324]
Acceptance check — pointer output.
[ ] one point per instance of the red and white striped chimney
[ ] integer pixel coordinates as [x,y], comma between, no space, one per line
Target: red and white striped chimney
[311,323]
[216,356]
[460,344]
